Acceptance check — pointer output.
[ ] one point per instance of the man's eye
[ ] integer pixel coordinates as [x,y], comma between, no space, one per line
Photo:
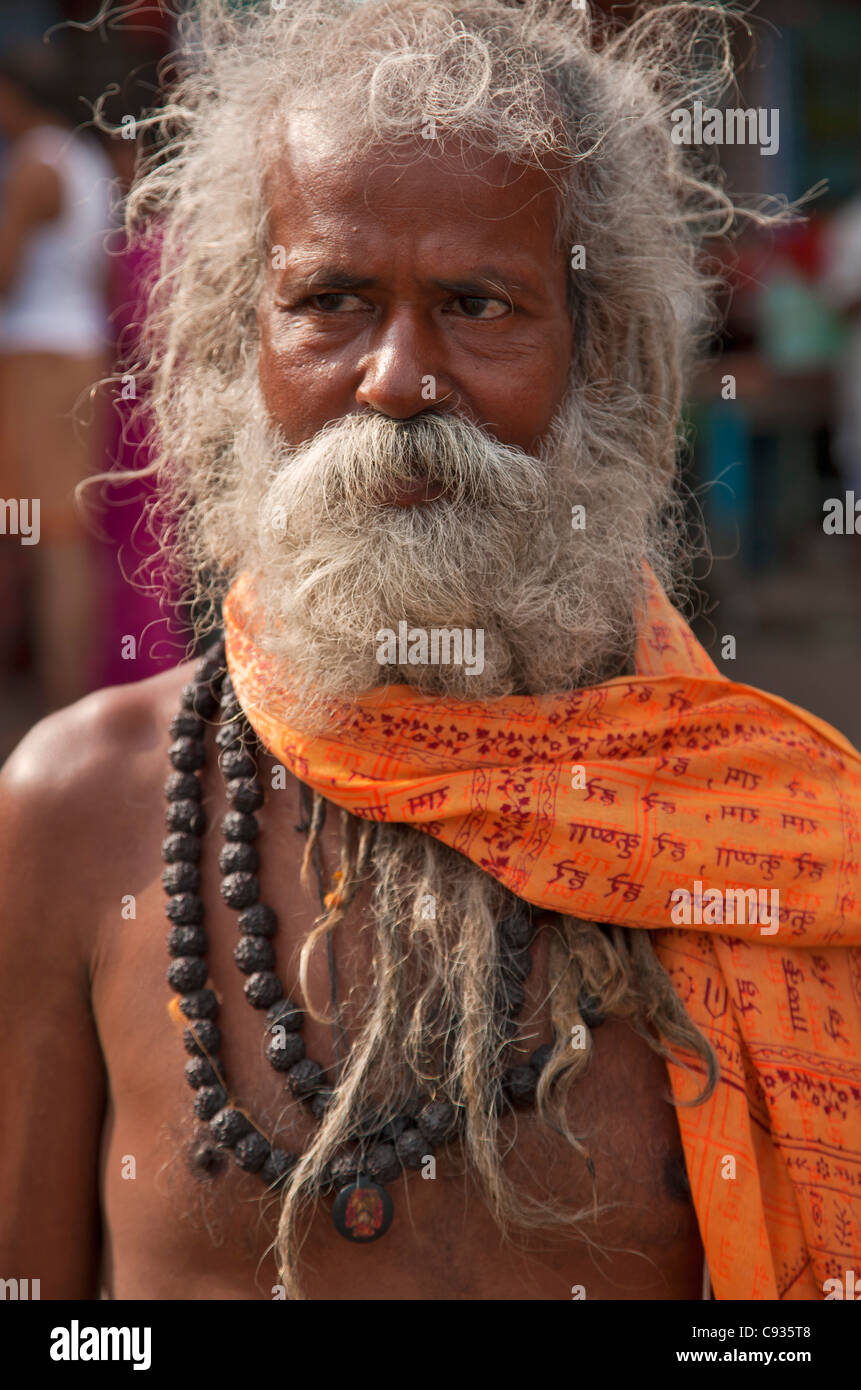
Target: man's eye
[474,306]
[332,302]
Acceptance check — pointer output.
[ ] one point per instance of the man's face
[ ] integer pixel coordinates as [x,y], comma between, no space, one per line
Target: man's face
[410,445]
[397,269]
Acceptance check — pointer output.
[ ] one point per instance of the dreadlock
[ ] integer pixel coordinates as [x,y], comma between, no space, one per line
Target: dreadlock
[429,1020]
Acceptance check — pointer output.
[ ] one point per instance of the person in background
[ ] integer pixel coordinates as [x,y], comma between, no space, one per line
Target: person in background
[842,285]
[54,215]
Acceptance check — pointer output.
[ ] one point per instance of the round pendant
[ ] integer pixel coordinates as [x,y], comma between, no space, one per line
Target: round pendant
[363,1211]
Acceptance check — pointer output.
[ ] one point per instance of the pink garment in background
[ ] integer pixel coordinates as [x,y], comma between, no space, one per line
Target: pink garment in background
[127,611]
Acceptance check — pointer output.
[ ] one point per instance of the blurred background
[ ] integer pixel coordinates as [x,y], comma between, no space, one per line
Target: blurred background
[774,417]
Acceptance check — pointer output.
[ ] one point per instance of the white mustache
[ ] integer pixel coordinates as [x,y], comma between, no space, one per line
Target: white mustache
[352,463]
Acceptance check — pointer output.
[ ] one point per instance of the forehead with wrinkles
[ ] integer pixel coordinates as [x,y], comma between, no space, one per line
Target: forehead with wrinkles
[327,209]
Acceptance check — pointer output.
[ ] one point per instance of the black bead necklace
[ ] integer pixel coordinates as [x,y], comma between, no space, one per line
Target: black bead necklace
[363,1208]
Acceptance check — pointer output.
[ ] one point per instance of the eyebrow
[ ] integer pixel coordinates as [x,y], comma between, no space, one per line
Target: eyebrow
[482,279]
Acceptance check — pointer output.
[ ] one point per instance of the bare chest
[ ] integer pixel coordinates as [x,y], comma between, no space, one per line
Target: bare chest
[174,1233]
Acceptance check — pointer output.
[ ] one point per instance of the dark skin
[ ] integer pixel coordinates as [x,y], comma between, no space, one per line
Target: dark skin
[92,1068]
[432,266]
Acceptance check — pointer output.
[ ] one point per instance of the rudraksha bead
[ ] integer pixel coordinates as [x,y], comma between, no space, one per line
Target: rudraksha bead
[251,1152]
[393,1129]
[412,1148]
[321,1102]
[285,1054]
[186,725]
[200,699]
[200,1003]
[211,664]
[185,909]
[209,1101]
[186,815]
[201,1037]
[238,856]
[229,735]
[229,1126]
[187,973]
[381,1163]
[519,1085]
[236,762]
[285,1014]
[540,1057]
[305,1078]
[245,794]
[263,989]
[200,1072]
[187,754]
[182,786]
[240,890]
[258,920]
[187,940]
[437,1120]
[181,877]
[278,1167]
[590,1012]
[180,846]
[232,713]
[254,953]
[237,825]
[344,1167]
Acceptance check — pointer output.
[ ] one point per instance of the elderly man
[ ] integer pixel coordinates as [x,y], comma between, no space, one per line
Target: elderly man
[428,279]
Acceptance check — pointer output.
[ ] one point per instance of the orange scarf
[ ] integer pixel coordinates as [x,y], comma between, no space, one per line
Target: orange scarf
[601,802]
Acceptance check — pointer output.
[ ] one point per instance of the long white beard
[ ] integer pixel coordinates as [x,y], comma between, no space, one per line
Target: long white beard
[496,554]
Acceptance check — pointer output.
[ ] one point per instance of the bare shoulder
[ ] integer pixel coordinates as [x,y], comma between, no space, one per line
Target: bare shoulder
[79,790]
[80,750]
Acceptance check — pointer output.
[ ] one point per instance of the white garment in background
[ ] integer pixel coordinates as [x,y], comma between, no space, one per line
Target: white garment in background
[57,301]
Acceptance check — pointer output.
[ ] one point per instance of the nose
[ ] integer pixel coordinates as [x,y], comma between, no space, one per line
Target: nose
[402,374]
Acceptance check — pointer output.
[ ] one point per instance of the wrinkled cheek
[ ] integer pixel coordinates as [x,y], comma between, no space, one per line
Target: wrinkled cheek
[294,390]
